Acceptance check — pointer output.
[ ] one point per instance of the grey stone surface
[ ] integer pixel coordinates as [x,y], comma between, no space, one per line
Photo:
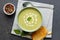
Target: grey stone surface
[6,22]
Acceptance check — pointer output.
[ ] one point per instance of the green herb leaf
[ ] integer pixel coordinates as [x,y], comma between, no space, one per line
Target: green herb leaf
[17,31]
[24,33]
[29,18]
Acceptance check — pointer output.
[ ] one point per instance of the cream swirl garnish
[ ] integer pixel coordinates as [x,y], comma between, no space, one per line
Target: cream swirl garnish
[30,19]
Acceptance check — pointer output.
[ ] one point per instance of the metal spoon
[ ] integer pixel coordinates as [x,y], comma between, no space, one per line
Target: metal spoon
[28,4]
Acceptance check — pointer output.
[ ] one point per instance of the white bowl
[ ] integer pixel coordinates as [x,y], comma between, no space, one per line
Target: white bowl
[26,29]
[6,12]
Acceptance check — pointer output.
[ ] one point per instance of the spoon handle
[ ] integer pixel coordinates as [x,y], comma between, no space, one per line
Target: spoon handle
[43,7]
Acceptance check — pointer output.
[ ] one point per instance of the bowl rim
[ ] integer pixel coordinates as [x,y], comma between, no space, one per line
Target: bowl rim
[5,11]
[26,29]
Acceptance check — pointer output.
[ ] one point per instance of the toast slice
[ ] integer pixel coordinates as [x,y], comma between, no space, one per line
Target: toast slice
[40,33]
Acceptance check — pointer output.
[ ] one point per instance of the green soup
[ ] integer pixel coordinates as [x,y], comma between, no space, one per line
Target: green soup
[29,18]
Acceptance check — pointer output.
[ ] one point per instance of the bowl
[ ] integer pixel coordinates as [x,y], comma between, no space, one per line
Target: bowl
[9,8]
[29,19]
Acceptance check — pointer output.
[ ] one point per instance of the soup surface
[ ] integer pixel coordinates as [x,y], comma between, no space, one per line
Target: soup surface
[29,18]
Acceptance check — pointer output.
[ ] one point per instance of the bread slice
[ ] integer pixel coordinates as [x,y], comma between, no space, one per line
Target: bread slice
[40,34]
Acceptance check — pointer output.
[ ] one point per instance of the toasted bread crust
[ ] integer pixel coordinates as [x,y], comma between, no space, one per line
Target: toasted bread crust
[40,34]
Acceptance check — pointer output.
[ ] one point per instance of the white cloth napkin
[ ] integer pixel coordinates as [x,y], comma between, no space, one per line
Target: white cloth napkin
[46,13]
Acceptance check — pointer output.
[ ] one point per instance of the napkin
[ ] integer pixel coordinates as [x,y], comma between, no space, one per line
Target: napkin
[47,14]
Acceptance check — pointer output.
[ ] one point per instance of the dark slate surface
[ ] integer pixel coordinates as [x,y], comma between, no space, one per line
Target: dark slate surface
[6,22]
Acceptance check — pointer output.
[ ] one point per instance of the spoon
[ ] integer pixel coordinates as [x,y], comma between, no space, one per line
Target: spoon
[28,4]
